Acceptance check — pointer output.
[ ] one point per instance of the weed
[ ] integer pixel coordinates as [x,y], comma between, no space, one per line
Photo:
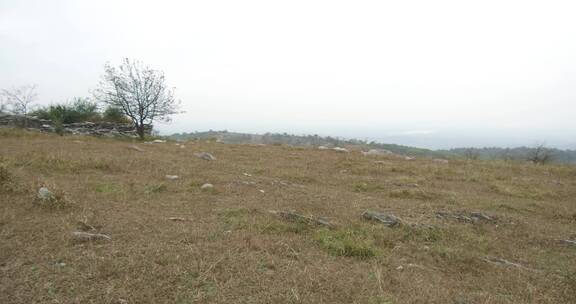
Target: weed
[155,188]
[106,188]
[347,242]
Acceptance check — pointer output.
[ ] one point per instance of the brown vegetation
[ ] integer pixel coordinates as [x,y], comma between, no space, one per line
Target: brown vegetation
[171,242]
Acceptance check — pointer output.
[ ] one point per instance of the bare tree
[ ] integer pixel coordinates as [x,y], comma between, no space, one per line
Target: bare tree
[540,154]
[20,99]
[140,92]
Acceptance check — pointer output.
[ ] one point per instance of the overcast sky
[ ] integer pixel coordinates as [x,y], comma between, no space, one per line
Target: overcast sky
[426,73]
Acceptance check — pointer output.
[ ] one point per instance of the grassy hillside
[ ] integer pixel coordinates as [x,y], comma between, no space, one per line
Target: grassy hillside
[470,231]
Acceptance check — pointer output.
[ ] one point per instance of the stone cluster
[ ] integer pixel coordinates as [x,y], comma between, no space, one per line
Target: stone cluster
[102,128]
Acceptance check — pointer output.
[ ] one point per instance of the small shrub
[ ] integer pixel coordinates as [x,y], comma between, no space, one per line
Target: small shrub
[157,188]
[114,114]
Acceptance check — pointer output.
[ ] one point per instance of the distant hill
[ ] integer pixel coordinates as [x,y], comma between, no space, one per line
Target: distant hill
[519,153]
[302,140]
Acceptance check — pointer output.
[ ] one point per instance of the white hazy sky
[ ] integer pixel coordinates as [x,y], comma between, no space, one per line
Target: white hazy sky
[427,73]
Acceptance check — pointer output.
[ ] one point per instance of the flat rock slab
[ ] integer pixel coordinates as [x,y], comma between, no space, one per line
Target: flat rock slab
[205,156]
[468,217]
[136,148]
[568,242]
[386,219]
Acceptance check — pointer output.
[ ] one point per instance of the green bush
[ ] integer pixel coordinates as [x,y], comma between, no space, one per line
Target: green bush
[79,110]
[114,114]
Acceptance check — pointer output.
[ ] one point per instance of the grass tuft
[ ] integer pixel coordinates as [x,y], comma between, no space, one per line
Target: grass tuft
[347,242]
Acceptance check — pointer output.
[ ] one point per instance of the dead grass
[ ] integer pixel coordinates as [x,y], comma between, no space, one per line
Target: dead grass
[229,249]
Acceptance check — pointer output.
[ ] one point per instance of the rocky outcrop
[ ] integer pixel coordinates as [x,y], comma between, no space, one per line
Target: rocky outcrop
[102,128]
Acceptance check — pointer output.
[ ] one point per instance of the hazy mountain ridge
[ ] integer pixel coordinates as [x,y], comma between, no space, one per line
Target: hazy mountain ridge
[301,140]
[518,153]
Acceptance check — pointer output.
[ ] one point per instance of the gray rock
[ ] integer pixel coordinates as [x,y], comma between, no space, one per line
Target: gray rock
[205,156]
[45,194]
[339,149]
[136,148]
[440,160]
[207,187]
[377,152]
[568,242]
[386,219]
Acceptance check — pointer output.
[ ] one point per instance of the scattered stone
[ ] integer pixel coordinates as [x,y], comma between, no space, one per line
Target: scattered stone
[136,148]
[400,268]
[158,141]
[409,158]
[246,174]
[177,219]
[409,185]
[81,236]
[323,148]
[377,152]
[568,242]
[500,261]
[262,191]
[472,217]
[247,183]
[478,216]
[182,146]
[172,177]
[207,187]
[45,194]
[386,219]
[205,156]
[339,149]
[83,128]
[439,160]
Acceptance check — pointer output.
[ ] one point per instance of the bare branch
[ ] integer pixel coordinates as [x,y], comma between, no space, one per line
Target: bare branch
[139,91]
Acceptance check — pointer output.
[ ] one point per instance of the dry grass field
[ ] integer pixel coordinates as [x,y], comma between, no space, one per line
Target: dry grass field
[225,246]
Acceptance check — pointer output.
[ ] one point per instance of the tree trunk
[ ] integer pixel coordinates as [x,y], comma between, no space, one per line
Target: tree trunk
[140,131]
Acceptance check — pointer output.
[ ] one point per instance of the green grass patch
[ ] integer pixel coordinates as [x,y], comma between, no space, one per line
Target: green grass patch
[347,242]
[106,188]
[155,188]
